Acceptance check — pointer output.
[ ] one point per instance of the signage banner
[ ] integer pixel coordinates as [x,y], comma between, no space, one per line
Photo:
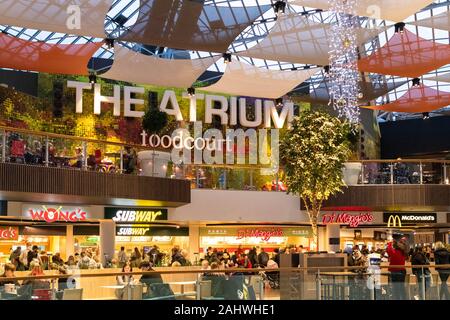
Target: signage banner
[395,219]
[264,233]
[9,233]
[149,231]
[351,219]
[135,215]
[55,213]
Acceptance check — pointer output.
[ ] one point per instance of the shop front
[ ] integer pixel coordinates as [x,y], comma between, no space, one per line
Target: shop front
[144,228]
[249,236]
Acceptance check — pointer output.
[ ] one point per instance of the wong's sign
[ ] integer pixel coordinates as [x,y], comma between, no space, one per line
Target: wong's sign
[9,233]
[57,213]
[350,219]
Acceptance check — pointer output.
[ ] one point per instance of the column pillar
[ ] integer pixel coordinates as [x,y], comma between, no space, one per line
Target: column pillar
[333,233]
[194,241]
[107,239]
[70,242]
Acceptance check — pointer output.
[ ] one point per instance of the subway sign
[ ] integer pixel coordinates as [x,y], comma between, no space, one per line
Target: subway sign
[397,220]
[135,215]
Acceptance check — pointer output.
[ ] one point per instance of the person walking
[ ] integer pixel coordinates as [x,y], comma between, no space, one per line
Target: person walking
[123,258]
[398,254]
[422,274]
[442,256]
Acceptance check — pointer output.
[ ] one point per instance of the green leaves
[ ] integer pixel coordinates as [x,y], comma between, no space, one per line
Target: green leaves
[314,151]
[154,120]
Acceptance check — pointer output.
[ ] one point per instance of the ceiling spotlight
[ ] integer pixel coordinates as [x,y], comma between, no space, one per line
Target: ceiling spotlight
[400,27]
[425,116]
[226,57]
[191,92]
[279,7]
[416,82]
[92,78]
[109,43]
[279,102]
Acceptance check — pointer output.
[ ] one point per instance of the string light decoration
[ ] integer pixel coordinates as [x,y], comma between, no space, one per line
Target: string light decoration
[343,68]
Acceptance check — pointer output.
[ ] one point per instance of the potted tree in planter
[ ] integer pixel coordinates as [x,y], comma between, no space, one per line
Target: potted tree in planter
[314,151]
[154,163]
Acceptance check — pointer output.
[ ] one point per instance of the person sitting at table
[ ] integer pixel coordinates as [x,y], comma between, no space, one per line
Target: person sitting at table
[78,158]
[125,279]
[9,273]
[56,259]
[36,270]
[149,278]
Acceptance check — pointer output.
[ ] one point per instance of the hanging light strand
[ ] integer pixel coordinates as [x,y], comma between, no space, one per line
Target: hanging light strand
[343,70]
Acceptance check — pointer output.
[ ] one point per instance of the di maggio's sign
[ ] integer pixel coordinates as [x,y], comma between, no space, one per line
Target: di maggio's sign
[135,215]
[400,219]
[352,220]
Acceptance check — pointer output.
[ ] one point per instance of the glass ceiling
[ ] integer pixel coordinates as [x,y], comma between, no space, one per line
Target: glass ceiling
[124,13]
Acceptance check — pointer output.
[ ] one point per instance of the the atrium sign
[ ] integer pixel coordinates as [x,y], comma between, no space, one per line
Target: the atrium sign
[231,112]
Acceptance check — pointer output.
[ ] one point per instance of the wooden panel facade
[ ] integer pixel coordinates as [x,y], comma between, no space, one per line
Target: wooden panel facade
[36,183]
[394,197]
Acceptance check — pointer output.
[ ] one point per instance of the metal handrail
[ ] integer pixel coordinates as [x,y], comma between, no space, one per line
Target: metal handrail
[224,271]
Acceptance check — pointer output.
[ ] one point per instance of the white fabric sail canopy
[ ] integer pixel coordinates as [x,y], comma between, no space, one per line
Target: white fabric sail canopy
[134,67]
[82,17]
[297,39]
[442,77]
[440,21]
[393,10]
[242,79]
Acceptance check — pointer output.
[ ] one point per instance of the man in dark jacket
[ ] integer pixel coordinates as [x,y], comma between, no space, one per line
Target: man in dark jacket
[422,274]
[442,256]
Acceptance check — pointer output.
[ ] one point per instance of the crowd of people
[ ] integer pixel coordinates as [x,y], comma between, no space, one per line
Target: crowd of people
[397,253]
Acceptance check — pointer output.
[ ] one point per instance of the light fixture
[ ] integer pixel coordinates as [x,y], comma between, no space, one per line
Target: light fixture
[400,27]
[425,115]
[279,7]
[416,82]
[191,91]
[343,69]
[92,78]
[109,43]
[226,57]
[279,102]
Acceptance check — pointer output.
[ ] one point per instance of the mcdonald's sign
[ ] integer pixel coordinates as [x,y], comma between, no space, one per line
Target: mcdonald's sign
[397,220]
[394,221]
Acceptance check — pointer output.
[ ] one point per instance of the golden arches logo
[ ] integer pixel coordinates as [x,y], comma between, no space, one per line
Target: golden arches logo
[394,221]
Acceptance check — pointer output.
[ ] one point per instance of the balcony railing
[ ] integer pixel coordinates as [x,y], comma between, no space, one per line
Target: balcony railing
[64,151]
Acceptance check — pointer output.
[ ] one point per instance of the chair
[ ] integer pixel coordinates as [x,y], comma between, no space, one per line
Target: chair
[257,283]
[42,294]
[72,294]
[204,288]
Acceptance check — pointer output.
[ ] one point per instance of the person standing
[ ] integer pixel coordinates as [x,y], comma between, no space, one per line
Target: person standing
[422,274]
[15,259]
[442,256]
[136,258]
[24,256]
[397,257]
[263,258]
[123,258]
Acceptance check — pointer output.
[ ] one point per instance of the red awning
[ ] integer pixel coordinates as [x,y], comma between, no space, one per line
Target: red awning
[39,56]
[417,99]
[406,55]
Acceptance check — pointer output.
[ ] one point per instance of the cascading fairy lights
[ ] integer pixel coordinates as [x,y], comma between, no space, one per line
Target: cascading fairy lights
[343,69]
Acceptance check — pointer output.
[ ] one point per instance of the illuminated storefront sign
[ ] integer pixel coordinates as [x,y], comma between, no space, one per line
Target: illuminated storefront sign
[9,233]
[131,231]
[352,220]
[54,213]
[261,233]
[397,220]
[142,230]
[135,215]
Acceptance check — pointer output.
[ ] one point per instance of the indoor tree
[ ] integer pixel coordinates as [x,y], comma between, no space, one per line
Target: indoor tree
[313,152]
